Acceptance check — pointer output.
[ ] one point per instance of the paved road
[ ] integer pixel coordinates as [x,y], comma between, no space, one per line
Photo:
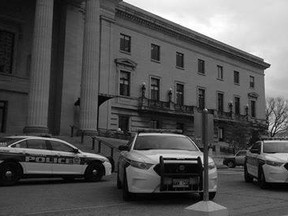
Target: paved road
[55,197]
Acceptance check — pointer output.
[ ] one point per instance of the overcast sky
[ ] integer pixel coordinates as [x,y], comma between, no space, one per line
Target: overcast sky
[259,27]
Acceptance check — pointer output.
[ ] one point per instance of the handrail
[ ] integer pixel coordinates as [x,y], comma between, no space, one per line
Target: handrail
[100,142]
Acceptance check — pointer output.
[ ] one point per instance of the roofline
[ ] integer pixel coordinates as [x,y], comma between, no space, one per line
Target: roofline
[156,22]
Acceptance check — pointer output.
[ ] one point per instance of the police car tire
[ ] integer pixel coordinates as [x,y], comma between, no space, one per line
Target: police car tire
[99,172]
[14,168]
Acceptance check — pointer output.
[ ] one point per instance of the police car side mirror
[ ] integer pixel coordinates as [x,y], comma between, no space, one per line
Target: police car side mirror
[123,148]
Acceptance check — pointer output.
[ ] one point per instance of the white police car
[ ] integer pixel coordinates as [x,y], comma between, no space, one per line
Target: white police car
[267,161]
[154,162]
[32,156]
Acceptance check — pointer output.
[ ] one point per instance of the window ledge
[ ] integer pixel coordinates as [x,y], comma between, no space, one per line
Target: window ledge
[180,68]
[156,61]
[125,52]
[201,74]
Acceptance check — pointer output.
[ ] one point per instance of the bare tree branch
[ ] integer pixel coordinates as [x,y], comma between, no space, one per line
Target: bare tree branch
[277,115]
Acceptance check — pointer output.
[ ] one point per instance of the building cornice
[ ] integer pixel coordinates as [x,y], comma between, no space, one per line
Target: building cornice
[139,16]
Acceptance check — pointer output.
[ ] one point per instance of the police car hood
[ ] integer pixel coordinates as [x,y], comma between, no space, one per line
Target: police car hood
[96,156]
[153,156]
[281,157]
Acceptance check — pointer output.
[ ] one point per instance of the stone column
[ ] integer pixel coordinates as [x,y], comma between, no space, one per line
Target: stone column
[90,68]
[40,69]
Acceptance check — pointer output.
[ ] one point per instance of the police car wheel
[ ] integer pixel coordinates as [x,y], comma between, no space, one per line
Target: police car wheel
[10,173]
[94,172]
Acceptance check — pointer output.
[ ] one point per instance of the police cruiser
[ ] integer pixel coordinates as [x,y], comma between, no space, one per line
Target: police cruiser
[267,161]
[32,156]
[158,161]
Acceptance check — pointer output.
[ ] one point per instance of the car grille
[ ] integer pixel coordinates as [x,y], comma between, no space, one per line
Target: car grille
[180,174]
[178,169]
[286,166]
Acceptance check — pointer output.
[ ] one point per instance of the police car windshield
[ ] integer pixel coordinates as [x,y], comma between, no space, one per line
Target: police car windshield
[275,147]
[148,142]
[5,141]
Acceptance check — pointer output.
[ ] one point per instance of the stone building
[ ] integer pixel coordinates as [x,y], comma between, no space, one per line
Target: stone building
[101,65]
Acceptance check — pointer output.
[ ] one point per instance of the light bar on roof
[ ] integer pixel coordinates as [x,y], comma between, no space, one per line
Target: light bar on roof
[152,130]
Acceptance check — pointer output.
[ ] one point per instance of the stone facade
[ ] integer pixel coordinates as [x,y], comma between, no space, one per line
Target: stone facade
[96,84]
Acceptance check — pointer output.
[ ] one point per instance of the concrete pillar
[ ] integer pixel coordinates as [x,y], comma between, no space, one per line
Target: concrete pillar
[40,68]
[90,68]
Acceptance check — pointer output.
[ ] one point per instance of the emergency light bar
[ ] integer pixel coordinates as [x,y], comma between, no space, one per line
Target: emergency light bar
[152,130]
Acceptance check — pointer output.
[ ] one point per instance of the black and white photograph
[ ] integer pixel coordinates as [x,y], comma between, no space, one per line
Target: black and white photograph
[143,108]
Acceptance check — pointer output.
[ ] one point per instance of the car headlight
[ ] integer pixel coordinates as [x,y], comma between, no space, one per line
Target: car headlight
[274,163]
[140,165]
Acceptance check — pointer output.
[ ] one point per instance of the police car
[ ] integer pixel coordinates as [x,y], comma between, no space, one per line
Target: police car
[162,162]
[32,156]
[267,161]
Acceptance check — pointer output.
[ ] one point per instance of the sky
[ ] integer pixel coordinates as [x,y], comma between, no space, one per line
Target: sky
[259,27]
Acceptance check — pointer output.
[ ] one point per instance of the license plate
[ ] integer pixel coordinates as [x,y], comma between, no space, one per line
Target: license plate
[180,183]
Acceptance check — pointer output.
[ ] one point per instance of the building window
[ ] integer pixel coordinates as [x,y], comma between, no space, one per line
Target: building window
[155,52]
[179,60]
[7,40]
[125,43]
[124,83]
[201,98]
[220,102]
[201,66]
[253,108]
[220,72]
[3,115]
[155,89]
[252,82]
[237,105]
[180,94]
[123,123]
[236,78]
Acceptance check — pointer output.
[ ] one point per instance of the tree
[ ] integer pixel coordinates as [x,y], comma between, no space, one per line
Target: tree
[239,136]
[277,115]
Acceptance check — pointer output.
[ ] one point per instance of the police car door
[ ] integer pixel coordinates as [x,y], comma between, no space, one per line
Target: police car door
[36,156]
[66,161]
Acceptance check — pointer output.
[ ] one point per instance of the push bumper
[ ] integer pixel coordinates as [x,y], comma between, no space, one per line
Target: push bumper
[148,181]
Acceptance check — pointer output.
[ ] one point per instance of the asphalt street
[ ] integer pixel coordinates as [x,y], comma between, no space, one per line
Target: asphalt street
[56,197]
